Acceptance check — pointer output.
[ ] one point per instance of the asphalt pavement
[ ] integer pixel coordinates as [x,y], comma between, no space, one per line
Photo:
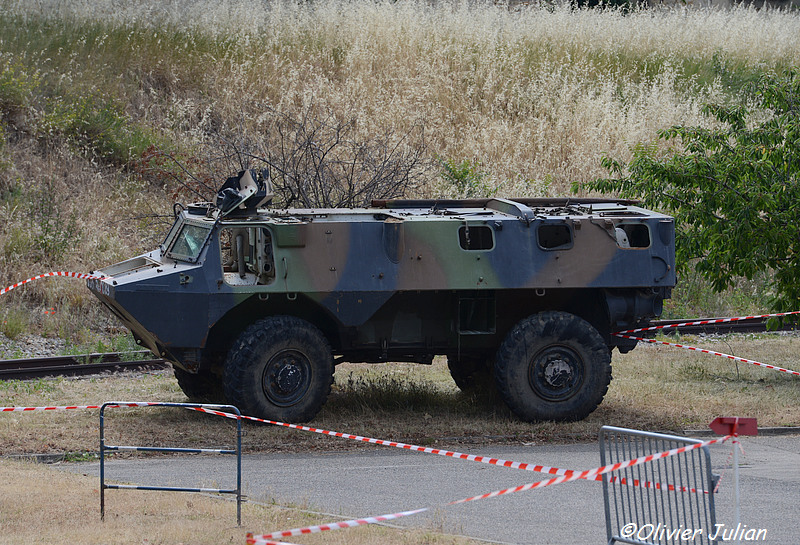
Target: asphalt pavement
[379,480]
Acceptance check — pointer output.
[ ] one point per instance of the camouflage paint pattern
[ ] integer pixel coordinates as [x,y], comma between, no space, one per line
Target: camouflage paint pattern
[372,279]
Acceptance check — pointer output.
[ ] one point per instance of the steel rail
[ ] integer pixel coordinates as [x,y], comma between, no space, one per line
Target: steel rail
[750,326]
[77,365]
[90,364]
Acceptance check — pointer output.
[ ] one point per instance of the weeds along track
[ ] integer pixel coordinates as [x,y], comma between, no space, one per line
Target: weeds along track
[85,364]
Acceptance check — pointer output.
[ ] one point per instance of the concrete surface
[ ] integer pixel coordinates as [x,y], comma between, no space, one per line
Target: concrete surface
[379,480]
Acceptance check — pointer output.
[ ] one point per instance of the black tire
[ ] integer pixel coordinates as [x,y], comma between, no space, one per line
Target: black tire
[280,368]
[200,387]
[553,366]
[473,376]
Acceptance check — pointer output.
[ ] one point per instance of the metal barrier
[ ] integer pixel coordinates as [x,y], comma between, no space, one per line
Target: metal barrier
[657,502]
[238,452]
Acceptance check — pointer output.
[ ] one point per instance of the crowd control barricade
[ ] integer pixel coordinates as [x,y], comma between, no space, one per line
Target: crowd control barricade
[655,502]
[116,448]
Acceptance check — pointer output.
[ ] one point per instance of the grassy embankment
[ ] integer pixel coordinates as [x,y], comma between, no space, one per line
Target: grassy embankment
[531,99]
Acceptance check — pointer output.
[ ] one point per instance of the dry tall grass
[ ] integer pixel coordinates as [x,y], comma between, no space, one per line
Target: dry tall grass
[40,504]
[533,95]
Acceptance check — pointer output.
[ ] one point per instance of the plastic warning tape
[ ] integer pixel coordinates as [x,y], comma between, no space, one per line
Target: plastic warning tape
[591,473]
[71,407]
[451,454]
[588,474]
[55,273]
[61,408]
[260,540]
[712,352]
[416,448]
[405,446]
[709,322]
[649,484]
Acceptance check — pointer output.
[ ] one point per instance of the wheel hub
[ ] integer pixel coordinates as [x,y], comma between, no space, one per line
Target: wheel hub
[556,373]
[287,377]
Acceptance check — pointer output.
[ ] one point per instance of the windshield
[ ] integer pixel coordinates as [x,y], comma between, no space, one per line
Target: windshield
[189,242]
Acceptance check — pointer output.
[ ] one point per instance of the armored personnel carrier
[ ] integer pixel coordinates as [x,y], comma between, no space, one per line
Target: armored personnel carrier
[257,305]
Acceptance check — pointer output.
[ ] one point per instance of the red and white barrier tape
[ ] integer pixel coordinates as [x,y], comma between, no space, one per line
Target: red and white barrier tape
[712,352]
[47,275]
[565,475]
[709,322]
[591,473]
[405,446]
[251,539]
[60,408]
[415,448]
[588,474]
[71,407]
[452,454]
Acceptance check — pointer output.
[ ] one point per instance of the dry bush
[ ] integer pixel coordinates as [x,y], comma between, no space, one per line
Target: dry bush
[314,160]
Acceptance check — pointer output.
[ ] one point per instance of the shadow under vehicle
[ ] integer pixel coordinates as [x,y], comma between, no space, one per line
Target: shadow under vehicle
[255,305]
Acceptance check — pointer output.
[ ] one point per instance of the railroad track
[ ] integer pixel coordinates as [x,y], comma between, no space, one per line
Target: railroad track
[85,364]
[91,364]
[744,326]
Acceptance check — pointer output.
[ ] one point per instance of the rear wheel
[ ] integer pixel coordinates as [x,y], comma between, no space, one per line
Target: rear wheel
[553,366]
[280,368]
[200,387]
[473,375]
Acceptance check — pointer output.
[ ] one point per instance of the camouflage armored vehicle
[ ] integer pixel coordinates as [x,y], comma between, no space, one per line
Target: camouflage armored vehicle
[256,305]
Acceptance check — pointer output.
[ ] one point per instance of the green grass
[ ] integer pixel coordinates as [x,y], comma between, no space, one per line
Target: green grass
[14,323]
[93,123]
[37,387]
[695,298]
[120,343]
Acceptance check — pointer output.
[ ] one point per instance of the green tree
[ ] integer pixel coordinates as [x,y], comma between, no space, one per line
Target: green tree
[734,189]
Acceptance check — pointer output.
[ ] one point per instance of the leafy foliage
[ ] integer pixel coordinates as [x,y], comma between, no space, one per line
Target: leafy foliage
[98,126]
[17,87]
[465,180]
[734,188]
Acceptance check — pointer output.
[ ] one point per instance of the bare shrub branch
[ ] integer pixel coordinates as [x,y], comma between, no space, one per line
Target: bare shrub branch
[313,161]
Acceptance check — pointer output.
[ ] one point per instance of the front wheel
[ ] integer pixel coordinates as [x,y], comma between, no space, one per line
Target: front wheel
[280,368]
[553,366]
